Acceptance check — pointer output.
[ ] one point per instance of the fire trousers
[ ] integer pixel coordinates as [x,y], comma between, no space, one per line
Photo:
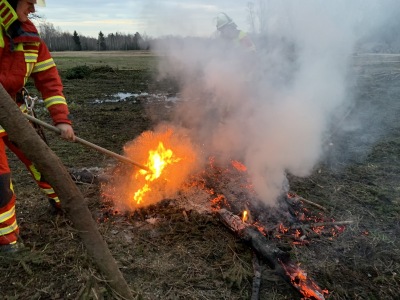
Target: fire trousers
[8,223]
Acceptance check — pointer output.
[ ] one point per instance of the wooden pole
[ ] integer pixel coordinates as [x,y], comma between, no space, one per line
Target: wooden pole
[87,143]
[24,135]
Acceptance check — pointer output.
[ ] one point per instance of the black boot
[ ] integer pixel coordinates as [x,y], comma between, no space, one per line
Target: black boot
[55,207]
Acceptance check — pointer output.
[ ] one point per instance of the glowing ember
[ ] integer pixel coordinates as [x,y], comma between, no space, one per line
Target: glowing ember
[239,166]
[158,160]
[282,228]
[302,283]
[218,202]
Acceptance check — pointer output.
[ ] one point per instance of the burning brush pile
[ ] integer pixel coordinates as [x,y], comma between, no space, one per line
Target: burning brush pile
[177,168]
[170,158]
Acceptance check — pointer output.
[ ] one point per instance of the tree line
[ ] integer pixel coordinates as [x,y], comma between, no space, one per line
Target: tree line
[58,40]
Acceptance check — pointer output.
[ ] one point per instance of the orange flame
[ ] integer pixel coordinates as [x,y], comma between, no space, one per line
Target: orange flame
[158,160]
[171,158]
[245,216]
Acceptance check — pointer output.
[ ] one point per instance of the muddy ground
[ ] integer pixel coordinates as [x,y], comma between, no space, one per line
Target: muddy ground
[173,251]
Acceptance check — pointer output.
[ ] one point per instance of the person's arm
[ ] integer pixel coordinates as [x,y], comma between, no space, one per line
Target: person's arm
[48,83]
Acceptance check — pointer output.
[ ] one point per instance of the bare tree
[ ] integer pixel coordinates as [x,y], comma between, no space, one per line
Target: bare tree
[257,15]
[48,33]
[262,15]
[251,18]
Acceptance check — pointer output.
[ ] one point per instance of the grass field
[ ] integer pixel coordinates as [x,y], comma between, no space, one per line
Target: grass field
[119,60]
[169,251]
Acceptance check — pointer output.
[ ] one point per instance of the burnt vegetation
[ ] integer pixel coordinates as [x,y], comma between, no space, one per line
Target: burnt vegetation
[170,250]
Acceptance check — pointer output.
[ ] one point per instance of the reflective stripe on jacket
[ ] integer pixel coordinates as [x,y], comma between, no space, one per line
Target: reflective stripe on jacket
[244,41]
[24,56]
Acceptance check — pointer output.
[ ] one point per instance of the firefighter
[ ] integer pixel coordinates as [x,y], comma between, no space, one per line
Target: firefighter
[238,47]
[228,31]
[23,55]
[239,53]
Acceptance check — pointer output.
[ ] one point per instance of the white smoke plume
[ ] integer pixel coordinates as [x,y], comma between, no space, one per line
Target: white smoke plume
[272,109]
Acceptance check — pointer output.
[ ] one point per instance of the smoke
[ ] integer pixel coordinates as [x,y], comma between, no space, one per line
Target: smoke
[272,109]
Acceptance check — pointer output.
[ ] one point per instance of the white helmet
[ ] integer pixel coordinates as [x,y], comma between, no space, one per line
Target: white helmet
[38,2]
[223,19]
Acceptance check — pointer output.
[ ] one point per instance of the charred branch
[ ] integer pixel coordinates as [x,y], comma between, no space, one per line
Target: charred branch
[250,234]
[255,291]
[338,223]
[277,259]
[296,198]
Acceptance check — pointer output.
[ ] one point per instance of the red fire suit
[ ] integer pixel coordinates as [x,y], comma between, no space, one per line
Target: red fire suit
[24,56]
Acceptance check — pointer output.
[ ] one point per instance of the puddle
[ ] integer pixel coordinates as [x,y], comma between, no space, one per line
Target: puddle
[132,97]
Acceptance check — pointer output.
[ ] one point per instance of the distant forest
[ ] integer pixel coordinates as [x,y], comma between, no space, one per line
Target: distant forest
[58,40]
[383,39]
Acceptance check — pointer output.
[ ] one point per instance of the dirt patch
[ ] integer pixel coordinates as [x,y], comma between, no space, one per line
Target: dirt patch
[177,249]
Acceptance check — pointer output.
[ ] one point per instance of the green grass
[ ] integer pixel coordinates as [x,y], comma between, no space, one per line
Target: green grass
[119,60]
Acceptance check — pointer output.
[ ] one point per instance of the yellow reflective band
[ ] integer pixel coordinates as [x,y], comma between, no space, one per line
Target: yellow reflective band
[30,57]
[19,47]
[49,192]
[54,100]
[9,229]
[44,65]
[1,38]
[37,44]
[35,172]
[56,200]
[5,13]
[29,68]
[7,215]
[238,39]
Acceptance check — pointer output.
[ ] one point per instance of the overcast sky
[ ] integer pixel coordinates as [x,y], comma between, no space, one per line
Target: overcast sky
[196,17]
[152,17]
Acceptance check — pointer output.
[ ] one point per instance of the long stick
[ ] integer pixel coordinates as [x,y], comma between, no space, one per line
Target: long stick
[86,143]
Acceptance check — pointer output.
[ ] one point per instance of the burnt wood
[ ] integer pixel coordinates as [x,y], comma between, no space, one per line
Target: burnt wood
[277,259]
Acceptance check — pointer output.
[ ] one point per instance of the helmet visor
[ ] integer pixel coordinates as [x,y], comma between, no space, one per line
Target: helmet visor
[38,2]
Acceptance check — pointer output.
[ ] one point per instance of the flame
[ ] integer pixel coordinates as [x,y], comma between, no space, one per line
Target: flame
[157,161]
[171,157]
[245,216]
